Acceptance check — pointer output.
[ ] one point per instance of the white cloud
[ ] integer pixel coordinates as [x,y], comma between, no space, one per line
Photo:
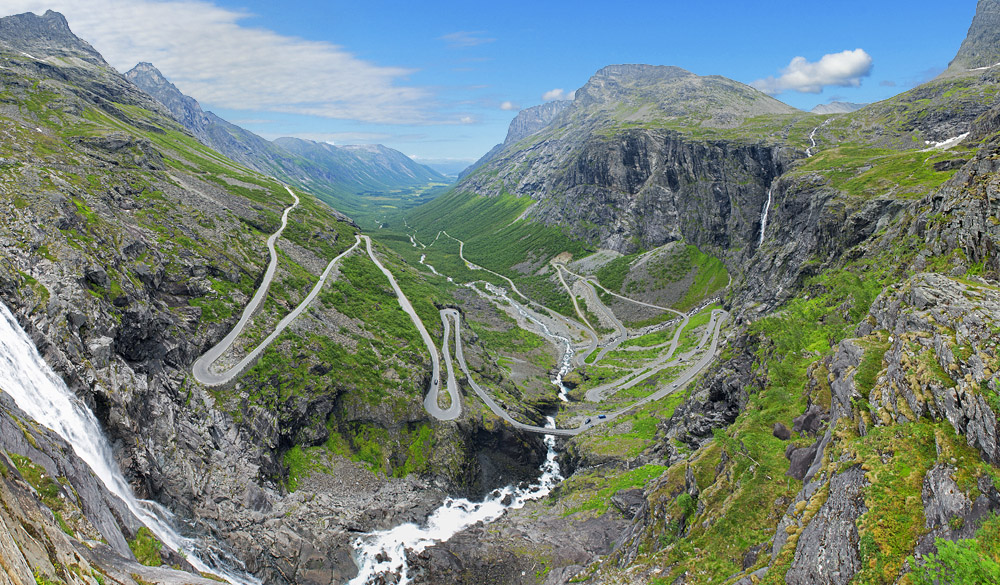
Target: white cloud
[463,39]
[554,94]
[558,94]
[509,107]
[467,120]
[844,69]
[208,54]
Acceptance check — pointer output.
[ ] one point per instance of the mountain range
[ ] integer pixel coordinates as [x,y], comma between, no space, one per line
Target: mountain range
[773,335]
[342,176]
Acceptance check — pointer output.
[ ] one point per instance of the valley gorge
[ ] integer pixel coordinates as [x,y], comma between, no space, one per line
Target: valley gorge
[764,340]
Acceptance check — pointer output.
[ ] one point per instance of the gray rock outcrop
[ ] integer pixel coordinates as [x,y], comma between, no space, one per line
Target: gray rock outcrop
[827,551]
[980,47]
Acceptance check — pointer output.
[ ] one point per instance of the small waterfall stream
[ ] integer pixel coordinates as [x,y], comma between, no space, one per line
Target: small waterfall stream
[763,217]
[567,359]
[43,396]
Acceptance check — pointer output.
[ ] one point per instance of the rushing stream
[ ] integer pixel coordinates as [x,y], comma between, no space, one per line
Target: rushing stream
[567,360]
[43,396]
[384,552]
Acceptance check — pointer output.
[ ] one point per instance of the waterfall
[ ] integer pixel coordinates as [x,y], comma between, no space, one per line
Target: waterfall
[384,552]
[763,217]
[43,396]
[812,139]
[424,257]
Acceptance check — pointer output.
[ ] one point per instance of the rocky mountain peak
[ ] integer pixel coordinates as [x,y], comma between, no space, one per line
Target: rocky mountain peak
[185,109]
[645,93]
[612,81]
[45,36]
[981,47]
[531,120]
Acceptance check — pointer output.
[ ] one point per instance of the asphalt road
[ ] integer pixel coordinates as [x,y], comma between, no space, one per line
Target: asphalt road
[714,329]
[202,368]
[431,404]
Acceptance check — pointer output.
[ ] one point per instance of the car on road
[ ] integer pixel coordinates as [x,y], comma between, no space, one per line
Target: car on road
[586,422]
[674,385]
[602,416]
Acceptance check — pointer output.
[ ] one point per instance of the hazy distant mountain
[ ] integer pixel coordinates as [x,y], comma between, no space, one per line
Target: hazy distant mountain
[364,168]
[341,176]
[837,108]
[445,166]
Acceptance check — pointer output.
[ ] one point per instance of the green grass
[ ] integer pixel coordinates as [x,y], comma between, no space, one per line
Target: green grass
[628,436]
[512,340]
[591,492]
[691,335]
[146,548]
[48,489]
[710,278]
[613,274]
[419,452]
[652,339]
[298,467]
[871,366]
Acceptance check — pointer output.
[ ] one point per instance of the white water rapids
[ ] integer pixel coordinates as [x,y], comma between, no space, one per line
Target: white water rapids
[763,217]
[43,396]
[384,552]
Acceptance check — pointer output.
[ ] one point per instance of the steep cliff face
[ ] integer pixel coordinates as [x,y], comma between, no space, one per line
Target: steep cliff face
[979,49]
[641,189]
[610,170]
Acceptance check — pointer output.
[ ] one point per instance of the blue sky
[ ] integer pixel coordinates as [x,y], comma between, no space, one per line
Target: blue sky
[443,79]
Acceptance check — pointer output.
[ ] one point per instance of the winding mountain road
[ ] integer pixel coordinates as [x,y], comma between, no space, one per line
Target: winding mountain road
[202,368]
[665,361]
[431,404]
[451,320]
[714,329]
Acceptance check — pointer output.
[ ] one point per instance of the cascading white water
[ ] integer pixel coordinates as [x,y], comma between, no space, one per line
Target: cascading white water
[763,217]
[812,139]
[43,396]
[424,257]
[382,553]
